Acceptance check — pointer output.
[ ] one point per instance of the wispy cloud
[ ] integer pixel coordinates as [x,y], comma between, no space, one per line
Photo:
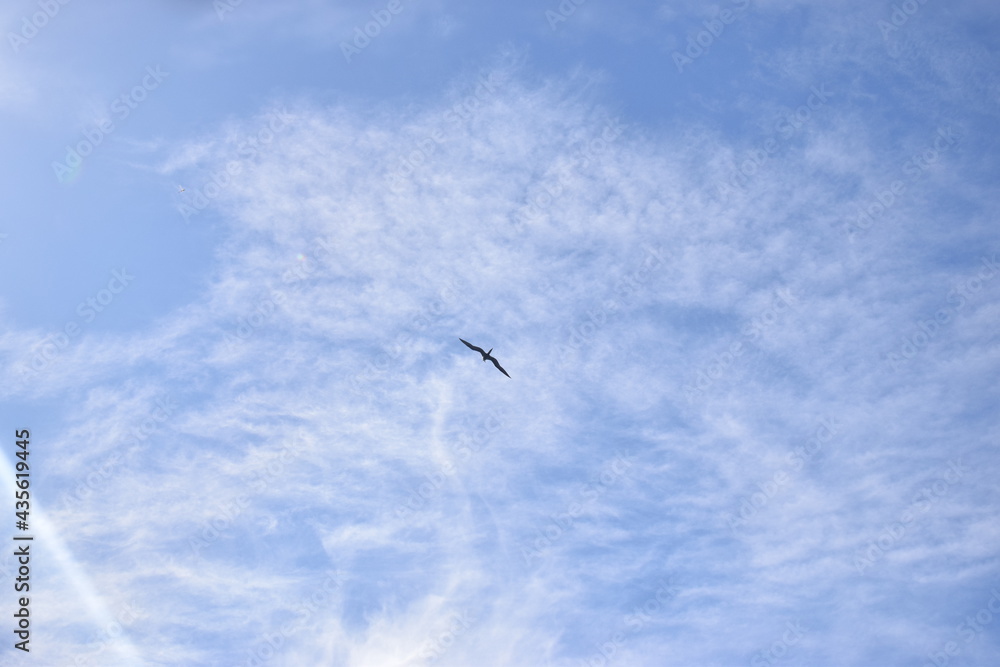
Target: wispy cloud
[701,437]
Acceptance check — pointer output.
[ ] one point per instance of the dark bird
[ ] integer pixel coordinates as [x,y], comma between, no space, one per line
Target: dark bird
[486,355]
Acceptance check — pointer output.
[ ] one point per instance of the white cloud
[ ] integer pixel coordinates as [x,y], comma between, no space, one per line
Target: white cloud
[320,386]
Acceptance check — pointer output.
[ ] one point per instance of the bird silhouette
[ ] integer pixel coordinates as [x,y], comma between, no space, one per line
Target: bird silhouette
[486,356]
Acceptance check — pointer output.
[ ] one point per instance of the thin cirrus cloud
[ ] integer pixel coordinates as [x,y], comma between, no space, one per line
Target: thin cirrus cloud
[749,419]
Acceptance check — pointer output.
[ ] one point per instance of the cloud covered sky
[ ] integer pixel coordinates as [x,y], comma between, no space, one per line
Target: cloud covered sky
[741,262]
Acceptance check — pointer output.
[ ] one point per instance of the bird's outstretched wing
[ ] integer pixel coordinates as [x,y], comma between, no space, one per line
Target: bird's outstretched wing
[477,349]
[499,368]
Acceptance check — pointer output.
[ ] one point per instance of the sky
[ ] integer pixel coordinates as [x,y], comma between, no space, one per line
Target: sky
[740,260]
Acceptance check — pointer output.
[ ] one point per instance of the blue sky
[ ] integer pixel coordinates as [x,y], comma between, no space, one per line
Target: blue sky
[741,261]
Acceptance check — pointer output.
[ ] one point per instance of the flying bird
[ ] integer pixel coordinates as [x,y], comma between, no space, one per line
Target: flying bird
[180,189]
[486,356]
